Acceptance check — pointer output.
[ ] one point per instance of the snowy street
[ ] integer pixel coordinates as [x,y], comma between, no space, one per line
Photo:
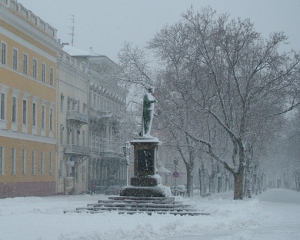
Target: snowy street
[273,215]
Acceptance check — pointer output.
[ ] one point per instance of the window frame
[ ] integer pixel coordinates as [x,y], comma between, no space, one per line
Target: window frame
[3,53]
[43,116]
[43,72]
[34,68]
[51,76]
[25,64]
[15,59]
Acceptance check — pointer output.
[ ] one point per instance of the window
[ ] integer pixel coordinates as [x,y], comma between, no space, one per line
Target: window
[69,102]
[83,138]
[43,72]
[68,135]
[2,160]
[15,59]
[73,104]
[78,135]
[24,112]
[2,106]
[60,168]
[14,110]
[42,163]
[43,117]
[73,136]
[50,163]
[34,68]
[33,162]
[62,102]
[3,54]
[24,161]
[51,76]
[13,161]
[33,114]
[61,134]
[25,63]
[51,119]
[83,107]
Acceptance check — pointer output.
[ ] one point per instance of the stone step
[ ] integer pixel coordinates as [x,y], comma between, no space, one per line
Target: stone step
[149,205]
[142,198]
[134,209]
[181,213]
[137,201]
[125,204]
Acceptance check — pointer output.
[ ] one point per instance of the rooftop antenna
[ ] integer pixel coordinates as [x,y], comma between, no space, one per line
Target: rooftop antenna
[72,29]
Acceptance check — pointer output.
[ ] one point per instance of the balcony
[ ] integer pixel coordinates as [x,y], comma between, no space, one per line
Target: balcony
[100,114]
[75,150]
[76,118]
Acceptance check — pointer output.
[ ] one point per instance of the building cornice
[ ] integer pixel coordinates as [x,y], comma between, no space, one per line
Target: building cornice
[31,32]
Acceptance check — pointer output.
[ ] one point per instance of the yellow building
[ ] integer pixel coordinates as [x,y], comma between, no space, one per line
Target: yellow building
[28,57]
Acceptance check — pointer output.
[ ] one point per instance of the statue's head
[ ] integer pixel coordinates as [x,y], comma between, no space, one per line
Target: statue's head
[151,89]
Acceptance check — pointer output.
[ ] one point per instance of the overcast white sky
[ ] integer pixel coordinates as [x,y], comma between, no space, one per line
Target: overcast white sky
[105,25]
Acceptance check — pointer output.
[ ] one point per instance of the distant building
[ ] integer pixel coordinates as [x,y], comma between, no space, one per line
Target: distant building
[27,102]
[72,111]
[107,107]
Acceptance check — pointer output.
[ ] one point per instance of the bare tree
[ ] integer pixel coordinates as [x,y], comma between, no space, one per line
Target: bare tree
[230,75]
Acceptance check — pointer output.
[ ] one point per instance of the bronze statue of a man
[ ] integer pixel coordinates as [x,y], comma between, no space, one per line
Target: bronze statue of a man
[148,111]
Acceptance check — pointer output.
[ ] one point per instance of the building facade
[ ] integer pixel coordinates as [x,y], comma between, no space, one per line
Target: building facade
[28,75]
[72,112]
[107,107]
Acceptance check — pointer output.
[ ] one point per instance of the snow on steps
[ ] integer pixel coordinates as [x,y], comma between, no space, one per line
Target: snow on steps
[149,205]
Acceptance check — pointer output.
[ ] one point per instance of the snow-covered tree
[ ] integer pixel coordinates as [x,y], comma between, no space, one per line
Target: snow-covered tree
[230,75]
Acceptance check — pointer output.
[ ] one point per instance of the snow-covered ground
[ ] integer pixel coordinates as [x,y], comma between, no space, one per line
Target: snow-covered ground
[273,215]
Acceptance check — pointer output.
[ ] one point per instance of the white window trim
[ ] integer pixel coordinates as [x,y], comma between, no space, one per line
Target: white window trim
[25,126]
[12,66]
[4,64]
[4,90]
[35,76]
[15,94]
[44,72]
[51,80]
[35,101]
[51,131]
[26,64]
[43,129]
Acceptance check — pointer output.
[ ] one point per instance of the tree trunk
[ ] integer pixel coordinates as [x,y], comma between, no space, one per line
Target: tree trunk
[239,184]
[189,181]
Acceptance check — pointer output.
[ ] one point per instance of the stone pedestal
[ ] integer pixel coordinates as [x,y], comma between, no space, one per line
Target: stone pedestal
[146,182]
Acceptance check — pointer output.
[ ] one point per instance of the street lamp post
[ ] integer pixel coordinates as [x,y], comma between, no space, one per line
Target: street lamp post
[126,150]
[175,189]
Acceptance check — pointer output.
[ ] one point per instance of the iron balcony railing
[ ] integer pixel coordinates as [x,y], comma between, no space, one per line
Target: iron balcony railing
[76,150]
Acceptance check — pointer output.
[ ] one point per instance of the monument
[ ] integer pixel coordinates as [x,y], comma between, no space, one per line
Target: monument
[146,182]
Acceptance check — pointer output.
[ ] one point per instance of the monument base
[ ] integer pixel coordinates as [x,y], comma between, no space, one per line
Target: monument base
[146,181]
[140,191]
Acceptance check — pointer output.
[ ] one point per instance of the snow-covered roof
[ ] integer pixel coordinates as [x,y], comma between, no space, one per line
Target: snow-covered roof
[77,52]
